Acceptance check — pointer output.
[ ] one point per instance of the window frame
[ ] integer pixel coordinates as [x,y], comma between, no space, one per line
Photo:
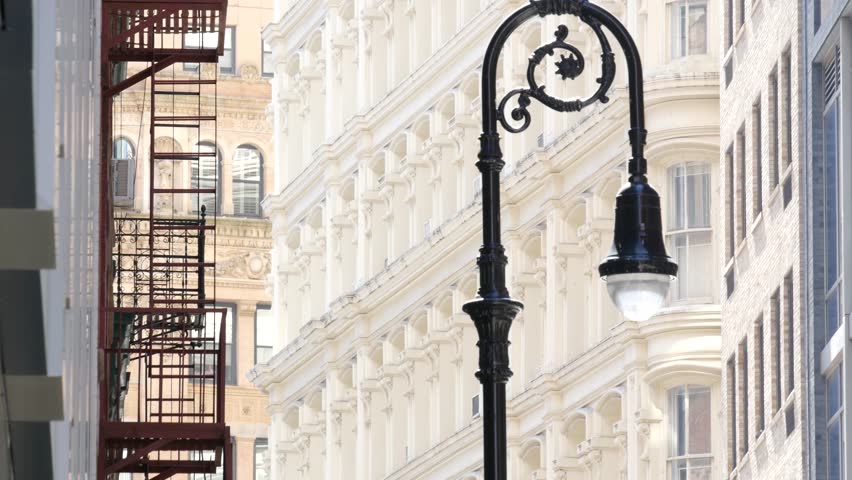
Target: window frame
[194,66]
[232,70]
[231,375]
[258,182]
[674,427]
[124,200]
[685,229]
[676,48]
[833,419]
[258,441]
[263,53]
[260,306]
[217,180]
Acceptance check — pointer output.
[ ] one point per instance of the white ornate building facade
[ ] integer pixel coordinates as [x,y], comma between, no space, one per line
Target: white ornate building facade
[376,224]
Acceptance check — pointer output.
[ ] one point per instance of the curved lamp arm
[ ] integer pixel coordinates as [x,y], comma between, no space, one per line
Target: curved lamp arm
[492,261]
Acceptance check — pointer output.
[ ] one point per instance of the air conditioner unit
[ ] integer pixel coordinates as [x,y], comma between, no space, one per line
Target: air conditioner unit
[477,185]
[427,229]
[474,406]
[123,176]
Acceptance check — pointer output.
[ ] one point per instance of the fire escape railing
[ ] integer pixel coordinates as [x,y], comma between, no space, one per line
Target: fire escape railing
[162,340]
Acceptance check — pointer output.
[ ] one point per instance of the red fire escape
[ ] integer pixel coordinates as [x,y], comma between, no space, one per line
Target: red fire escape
[161,339]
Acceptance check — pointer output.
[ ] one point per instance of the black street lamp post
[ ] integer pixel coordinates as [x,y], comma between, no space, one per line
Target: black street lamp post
[637,270]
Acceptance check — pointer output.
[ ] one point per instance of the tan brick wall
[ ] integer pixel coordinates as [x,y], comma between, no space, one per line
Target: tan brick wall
[772,239]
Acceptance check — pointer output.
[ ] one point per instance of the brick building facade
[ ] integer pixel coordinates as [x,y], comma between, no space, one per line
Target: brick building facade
[763,270]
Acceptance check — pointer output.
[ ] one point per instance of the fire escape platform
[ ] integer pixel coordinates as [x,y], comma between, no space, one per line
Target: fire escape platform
[152,31]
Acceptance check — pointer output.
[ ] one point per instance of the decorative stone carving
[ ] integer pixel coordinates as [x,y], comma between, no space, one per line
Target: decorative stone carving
[208,71]
[247,265]
[250,72]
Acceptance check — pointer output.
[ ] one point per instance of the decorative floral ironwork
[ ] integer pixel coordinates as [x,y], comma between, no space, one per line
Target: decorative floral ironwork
[568,67]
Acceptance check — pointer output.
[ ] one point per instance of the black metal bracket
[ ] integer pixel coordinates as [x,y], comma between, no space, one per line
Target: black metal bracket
[569,67]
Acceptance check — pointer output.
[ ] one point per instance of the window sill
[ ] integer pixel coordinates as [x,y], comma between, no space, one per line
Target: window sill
[741,246]
[761,439]
[756,223]
[742,465]
[739,35]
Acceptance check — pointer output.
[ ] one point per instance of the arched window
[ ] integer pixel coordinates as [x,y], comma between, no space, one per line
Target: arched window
[123,169]
[247,181]
[205,174]
[689,230]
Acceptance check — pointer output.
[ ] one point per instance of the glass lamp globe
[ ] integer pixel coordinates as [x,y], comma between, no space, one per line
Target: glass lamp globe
[637,271]
[638,295]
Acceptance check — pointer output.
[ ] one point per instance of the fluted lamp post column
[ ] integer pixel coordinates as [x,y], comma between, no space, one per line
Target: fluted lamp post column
[637,270]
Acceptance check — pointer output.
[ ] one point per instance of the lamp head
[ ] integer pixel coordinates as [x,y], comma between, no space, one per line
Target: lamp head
[637,271]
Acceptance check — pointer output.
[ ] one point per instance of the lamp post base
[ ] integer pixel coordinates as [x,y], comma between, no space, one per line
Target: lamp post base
[493,320]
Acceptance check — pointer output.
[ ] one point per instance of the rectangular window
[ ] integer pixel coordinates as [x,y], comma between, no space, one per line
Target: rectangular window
[789,344]
[729,71]
[774,128]
[729,23]
[210,40]
[742,367]
[205,175]
[740,14]
[261,457]
[730,281]
[689,235]
[264,332]
[267,65]
[690,427]
[688,27]
[247,181]
[228,59]
[832,235]
[757,154]
[775,351]
[759,380]
[834,414]
[205,364]
[741,185]
[730,200]
[732,413]
[787,102]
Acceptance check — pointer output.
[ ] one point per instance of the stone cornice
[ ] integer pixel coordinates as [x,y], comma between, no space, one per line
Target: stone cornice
[290,28]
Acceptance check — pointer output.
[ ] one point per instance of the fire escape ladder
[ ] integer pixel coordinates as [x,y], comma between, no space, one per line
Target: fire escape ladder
[163,342]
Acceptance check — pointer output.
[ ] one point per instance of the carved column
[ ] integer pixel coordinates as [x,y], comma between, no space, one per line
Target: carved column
[645,419]
[555,311]
[433,353]
[333,232]
[362,260]
[332,427]
[459,377]
[411,413]
[331,110]
[553,435]
[411,13]
[387,387]
[276,436]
